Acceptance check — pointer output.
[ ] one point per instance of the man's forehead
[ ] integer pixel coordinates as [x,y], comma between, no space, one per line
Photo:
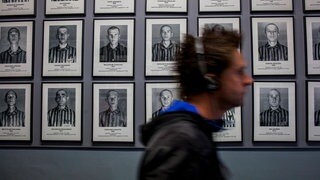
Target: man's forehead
[61,92]
[166,28]
[63,30]
[10,93]
[272,27]
[274,93]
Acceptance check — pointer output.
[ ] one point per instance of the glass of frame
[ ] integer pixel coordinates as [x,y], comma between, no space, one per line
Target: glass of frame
[61,111]
[160,33]
[15,112]
[311,5]
[17,8]
[232,127]
[109,35]
[173,6]
[62,48]
[271,5]
[16,48]
[159,96]
[114,6]
[118,100]
[312,25]
[274,114]
[231,24]
[55,7]
[219,6]
[273,46]
[313,96]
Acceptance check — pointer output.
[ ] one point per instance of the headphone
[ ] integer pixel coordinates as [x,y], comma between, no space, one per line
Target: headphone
[212,84]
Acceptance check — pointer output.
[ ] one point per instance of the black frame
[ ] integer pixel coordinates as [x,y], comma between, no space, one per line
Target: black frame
[80,113]
[272,10]
[67,11]
[173,11]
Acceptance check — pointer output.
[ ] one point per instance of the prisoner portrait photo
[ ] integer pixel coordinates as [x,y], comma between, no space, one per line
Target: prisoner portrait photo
[317,106]
[316,40]
[220,26]
[162,98]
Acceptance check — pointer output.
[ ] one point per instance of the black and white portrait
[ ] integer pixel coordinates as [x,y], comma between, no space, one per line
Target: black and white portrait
[274,111]
[317,106]
[313,111]
[165,41]
[316,40]
[228,118]
[61,111]
[12,108]
[113,51]
[61,105]
[62,44]
[312,35]
[113,108]
[62,48]
[113,112]
[163,38]
[218,23]
[13,45]
[274,107]
[113,43]
[273,46]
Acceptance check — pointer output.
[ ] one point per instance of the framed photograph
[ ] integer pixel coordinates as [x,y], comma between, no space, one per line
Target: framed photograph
[163,38]
[55,7]
[313,97]
[273,46]
[219,6]
[311,5]
[61,112]
[114,6]
[274,114]
[271,5]
[15,112]
[62,48]
[232,24]
[17,8]
[113,49]
[113,112]
[159,96]
[173,6]
[232,127]
[312,25]
[16,48]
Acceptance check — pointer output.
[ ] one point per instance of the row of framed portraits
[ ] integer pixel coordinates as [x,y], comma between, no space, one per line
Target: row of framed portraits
[114,42]
[72,7]
[274,113]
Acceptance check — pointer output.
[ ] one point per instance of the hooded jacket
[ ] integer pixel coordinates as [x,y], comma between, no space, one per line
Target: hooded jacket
[179,146]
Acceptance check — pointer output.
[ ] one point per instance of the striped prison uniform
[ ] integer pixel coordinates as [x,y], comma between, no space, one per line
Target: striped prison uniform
[278,52]
[59,117]
[111,118]
[316,51]
[12,119]
[12,1]
[228,118]
[162,53]
[118,54]
[63,55]
[317,118]
[277,117]
[9,56]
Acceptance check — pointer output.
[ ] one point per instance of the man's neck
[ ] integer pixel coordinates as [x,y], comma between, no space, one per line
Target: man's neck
[63,45]
[207,106]
[62,107]
[113,108]
[113,45]
[11,108]
[14,47]
[166,43]
[274,107]
[272,43]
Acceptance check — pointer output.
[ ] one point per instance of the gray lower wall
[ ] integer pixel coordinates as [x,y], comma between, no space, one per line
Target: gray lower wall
[40,164]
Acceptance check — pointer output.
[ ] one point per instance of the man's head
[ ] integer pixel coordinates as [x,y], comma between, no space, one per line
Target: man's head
[63,34]
[11,97]
[222,63]
[274,98]
[112,99]
[272,32]
[113,35]
[62,97]
[166,98]
[166,32]
[13,35]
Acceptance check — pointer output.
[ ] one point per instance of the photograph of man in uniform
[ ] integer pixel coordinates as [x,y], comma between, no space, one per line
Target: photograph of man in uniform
[167,48]
[114,51]
[61,114]
[316,40]
[63,52]
[113,116]
[14,54]
[275,114]
[228,119]
[165,99]
[317,107]
[12,116]
[272,50]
